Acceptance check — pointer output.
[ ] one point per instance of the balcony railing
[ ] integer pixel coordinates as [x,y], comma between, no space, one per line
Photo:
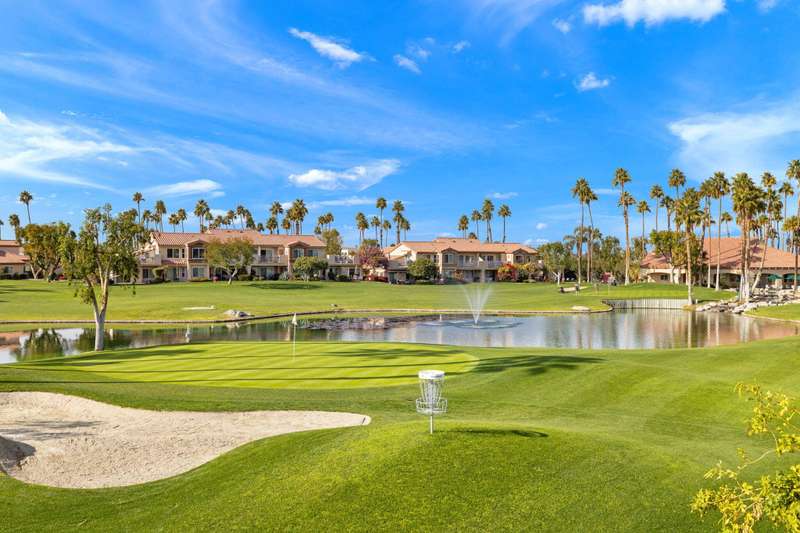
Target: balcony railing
[270,260]
[491,264]
[341,260]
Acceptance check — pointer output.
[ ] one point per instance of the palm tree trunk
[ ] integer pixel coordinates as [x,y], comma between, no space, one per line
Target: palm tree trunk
[689,265]
[627,248]
[580,247]
[504,229]
[28,207]
[591,244]
[719,242]
[656,214]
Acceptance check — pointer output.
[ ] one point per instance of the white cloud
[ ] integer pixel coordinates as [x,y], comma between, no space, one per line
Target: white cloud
[652,12]
[358,177]
[343,202]
[406,63]
[541,225]
[504,195]
[591,82]
[509,17]
[31,150]
[562,25]
[460,46]
[760,137]
[187,188]
[606,192]
[766,5]
[330,48]
[416,50]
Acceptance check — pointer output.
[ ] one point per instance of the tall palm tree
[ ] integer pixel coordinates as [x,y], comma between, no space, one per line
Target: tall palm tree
[719,189]
[375,222]
[668,203]
[13,221]
[286,224]
[590,197]
[276,209]
[200,210]
[160,210]
[726,219]
[385,227]
[786,190]
[463,225]
[706,192]
[1,229]
[272,225]
[792,228]
[621,178]
[25,197]
[298,212]
[579,191]
[398,208]
[240,212]
[406,226]
[380,205]
[793,173]
[504,212]
[768,181]
[476,218]
[747,204]
[138,199]
[676,179]
[643,208]
[688,214]
[656,194]
[147,217]
[362,225]
[182,217]
[487,211]
[174,221]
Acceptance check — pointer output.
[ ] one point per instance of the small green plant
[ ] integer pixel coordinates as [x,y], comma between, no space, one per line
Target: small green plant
[743,504]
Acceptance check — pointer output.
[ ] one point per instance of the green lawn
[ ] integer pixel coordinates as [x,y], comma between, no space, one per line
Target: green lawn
[37,300]
[783,312]
[535,439]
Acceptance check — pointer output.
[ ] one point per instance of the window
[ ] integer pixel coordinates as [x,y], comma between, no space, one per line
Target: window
[145,273]
[198,253]
[297,252]
[448,258]
[198,272]
[518,259]
[175,253]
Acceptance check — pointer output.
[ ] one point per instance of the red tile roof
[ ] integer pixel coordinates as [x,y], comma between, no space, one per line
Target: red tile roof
[730,255]
[180,239]
[456,244]
[11,253]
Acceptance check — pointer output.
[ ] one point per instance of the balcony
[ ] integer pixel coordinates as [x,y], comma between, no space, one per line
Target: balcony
[490,264]
[341,260]
[270,260]
[150,259]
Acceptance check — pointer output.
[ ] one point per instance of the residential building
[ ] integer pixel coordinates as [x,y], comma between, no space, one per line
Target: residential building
[182,256]
[778,264]
[13,261]
[457,258]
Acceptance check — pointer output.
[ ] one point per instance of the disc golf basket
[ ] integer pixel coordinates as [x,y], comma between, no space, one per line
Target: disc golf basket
[431,403]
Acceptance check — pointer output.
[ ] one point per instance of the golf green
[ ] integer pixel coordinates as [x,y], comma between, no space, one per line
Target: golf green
[276,365]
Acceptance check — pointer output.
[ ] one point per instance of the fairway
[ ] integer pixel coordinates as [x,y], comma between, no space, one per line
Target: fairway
[272,365]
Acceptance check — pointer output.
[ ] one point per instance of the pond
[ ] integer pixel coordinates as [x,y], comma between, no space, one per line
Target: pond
[637,328]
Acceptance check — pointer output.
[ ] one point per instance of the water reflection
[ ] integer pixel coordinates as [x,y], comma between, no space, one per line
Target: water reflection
[637,328]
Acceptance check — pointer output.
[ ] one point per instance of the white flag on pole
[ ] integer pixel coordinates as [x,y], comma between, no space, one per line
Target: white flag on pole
[294,319]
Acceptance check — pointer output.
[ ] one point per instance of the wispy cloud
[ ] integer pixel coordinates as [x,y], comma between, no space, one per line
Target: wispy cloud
[591,82]
[509,17]
[460,46]
[417,50]
[562,25]
[753,138]
[406,63]
[504,195]
[606,192]
[331,48]
[541,225]
[766,5]
[187,188]
[358,177]
[38,150]
[350,201]
[652,12]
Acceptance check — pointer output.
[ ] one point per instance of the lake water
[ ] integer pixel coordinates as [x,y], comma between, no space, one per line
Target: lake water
[638,328]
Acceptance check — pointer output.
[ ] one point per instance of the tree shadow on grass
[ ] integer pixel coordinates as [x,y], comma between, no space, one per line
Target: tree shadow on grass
[534,364]
[283,286]
[498,432]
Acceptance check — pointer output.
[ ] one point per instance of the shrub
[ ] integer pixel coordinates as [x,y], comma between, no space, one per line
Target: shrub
[507,272]
[423,269]
[343,277]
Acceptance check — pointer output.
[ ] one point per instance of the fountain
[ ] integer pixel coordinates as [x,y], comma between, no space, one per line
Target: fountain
[477,296]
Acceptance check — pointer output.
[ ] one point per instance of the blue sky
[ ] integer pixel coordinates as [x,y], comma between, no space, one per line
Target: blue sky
[440,104]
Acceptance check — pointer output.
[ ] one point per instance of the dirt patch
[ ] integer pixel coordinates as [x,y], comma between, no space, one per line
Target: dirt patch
[66,441]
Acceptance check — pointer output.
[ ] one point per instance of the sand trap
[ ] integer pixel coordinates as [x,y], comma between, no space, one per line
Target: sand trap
[66,441]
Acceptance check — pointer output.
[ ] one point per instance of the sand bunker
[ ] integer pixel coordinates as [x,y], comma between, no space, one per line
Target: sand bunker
[66,441]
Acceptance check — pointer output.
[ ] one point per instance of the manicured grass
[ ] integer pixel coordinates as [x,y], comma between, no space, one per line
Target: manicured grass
[273,365]
[37,300]
[783,312]
[535,439]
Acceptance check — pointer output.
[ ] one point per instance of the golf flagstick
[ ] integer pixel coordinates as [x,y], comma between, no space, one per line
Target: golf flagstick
[294,334]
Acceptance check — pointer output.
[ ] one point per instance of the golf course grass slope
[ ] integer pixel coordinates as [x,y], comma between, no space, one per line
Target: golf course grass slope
[534,439]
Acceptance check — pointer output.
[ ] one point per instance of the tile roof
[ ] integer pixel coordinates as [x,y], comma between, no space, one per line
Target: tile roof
[730,255]
[179,239]
[456,244]
[11,253]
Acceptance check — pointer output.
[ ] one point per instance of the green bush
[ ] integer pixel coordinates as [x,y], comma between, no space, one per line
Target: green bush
[343,277]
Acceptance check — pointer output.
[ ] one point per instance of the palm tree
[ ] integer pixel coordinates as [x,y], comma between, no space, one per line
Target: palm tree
[768,181]
[174,221]
[147,217]
[380,205]
[668,203]
[676,179]
[589,198]
[362,225]
[719,188]
[706,192]
[286,224]
[298,213]
[786,190]
[579,191]
[276,209]
[1,229]
[621,177]
[726,219]
[385,227]
[688,214]
[181,217]
[487,211]
[13,221]
[643,208]
[200,210]
[398,208]
[138,199]
[747,204]
[656,193]
[375,222]
[792,228]
[160,210]
[476,218]
[272,225]
[504,212]
[793,173]
[463,225]
[240,212]
[25,197]
[406,225]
